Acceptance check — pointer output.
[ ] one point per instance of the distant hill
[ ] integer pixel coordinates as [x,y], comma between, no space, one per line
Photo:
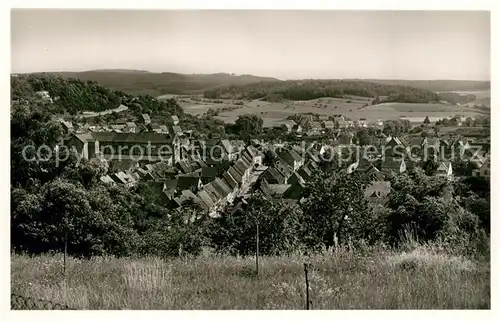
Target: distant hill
[137,82]
[436,85]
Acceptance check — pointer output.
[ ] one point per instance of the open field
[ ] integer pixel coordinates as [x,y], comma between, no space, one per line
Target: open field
[419,279]
[352,107]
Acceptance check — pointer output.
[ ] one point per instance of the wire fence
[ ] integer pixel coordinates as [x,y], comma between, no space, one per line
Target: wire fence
[19,302]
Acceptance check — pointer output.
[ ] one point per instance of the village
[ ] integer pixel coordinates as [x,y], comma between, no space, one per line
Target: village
[220,174]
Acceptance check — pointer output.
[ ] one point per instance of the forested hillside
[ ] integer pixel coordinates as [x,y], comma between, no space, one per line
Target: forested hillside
[311,89]
[156,84]
[437,85]
[73,96]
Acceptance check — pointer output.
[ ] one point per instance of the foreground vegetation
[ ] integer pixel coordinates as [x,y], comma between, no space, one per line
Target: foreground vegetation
[420,278]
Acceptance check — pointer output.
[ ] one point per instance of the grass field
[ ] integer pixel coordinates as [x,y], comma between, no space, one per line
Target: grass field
[418,279]
[352,107]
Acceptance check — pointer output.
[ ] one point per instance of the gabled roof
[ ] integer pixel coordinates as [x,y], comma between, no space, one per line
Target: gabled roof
[206,200]
[107,179]
[278,189]
[329,124]
[271,172]
[215,191]
[237,176]
[378,189]
[228,147]
[392,163]
[305,172]
[176,129]
[175,118]
[187,182]
[297,177]
[230,180]
[184,165]
[223,184]
[242,165]
[443,166]
[246,157]
[85,137]
[143,138]
[290,156]
[209,172]
[146,117]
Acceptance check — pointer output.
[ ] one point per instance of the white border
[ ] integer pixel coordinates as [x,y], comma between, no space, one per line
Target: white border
[234,315]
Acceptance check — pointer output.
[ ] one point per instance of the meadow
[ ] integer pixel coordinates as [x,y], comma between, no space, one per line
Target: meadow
[419,278]
[352,107]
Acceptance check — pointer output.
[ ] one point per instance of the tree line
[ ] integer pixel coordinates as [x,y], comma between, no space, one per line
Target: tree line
[312,89]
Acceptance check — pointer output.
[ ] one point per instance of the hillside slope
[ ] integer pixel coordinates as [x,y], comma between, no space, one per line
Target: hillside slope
[156,84]
[436,85]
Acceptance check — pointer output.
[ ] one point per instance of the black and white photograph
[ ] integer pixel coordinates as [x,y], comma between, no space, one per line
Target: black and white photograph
[249,159]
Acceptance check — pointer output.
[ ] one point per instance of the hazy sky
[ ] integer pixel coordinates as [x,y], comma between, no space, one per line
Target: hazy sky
[283,44]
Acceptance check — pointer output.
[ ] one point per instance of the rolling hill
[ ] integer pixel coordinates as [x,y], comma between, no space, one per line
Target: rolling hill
[137,82]
[436,85]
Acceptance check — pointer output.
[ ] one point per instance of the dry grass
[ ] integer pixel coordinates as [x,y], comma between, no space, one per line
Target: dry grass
[418,279]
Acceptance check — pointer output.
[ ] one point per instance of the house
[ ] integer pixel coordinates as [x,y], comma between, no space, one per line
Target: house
[44,95]
[484,171]
[297,128]
[145,119]
[378,191]
[206,201]
[342,124]
[123,178]
[328,125]
[295,190]
[315,126]
[242,166]
[292,158]
[289,127]
[445,170]
[231,182]
[272,175]
[84,144]
[177,130]
[188,183]
[296,178]
[131,127]
[118,128]
[305,172]
[344,138]
[67,127]
[174,119]
[208,174]
[107,179]
[392,166]
[163,129]
[228,150]
[283,167]
[271,190]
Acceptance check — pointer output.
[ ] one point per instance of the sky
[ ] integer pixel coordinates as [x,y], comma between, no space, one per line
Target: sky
[282,44]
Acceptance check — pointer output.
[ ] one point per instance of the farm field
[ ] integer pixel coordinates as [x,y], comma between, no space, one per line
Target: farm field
[383,279]
[352,107]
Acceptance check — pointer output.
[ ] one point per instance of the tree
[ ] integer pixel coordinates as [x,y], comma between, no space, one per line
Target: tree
[279,228]
[427,121]
[335,206]
[469,121]
[269,158]
[248,125]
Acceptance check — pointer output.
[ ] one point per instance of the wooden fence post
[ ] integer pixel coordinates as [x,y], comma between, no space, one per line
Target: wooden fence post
[257,251]
[65,251]
[307,287]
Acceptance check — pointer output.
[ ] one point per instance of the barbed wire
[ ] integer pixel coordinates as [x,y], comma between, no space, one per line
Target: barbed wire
[19,302]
